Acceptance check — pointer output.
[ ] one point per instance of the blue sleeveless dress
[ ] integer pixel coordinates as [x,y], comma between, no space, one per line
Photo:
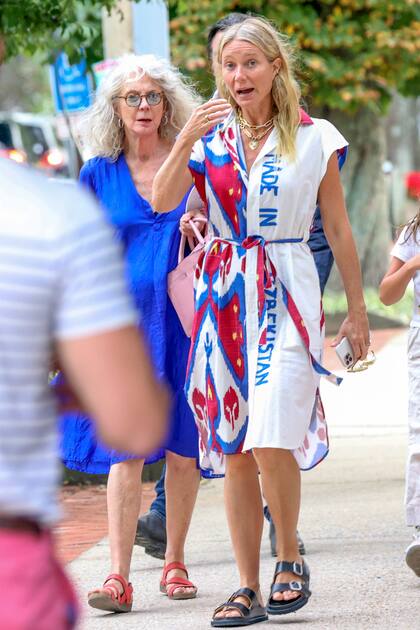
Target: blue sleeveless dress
[150,243]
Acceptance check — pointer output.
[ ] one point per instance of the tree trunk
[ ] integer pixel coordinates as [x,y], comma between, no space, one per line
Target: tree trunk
[403,153]
[367,194]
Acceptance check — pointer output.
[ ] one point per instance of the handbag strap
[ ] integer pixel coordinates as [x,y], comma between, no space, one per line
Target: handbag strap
[197,234]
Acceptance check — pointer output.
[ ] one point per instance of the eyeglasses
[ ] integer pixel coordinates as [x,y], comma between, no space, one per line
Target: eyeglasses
[363,364]
[134,99]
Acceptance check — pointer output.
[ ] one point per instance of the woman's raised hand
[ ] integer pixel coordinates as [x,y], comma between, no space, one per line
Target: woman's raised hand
[204,118]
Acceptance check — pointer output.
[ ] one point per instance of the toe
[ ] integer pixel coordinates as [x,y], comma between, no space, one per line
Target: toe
[227,612]
[233,613]
[285,596]
[291,595]
[184,590]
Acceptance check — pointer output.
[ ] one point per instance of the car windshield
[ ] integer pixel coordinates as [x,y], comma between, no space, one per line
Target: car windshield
[5,136]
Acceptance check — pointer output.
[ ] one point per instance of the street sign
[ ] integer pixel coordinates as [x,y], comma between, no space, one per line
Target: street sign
[101,68]
[70,85]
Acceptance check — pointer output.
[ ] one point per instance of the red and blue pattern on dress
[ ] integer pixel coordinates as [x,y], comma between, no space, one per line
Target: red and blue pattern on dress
[221,300]
[219,344]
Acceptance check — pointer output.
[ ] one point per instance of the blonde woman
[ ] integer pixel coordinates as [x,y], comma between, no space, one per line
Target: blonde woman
[140,107]
[255,366]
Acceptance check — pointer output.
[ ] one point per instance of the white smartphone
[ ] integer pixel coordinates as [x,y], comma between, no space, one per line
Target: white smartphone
[345,353]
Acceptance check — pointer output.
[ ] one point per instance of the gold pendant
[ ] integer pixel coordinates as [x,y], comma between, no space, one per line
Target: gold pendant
[253,144]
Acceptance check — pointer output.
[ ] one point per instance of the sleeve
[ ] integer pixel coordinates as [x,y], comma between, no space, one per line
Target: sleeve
[197,168]
[332,140]
[403,248]
[196,163]
[93,296]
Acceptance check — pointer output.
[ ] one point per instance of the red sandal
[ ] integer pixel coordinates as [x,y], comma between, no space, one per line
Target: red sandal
[109,598]
[168,587]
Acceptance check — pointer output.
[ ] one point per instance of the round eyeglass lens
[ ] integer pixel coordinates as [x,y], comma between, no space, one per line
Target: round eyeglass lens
[153,98]
[133,100]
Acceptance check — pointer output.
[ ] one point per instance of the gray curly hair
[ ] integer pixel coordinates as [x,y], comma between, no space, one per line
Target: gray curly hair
[99,128]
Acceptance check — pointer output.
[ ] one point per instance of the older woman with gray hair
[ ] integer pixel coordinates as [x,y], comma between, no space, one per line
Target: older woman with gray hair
[140,107]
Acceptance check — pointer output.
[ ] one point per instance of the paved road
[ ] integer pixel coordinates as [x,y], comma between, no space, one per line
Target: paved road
[352,522]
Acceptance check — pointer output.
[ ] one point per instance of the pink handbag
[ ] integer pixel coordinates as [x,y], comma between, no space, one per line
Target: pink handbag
[181,279]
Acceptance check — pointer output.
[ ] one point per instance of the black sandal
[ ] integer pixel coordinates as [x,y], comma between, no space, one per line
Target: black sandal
[282,607]
[254,613]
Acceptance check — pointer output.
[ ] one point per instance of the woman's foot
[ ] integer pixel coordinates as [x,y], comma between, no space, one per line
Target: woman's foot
[290,588]
[227,612]
[243,608]
[287,576]
[116,595]
[175,583]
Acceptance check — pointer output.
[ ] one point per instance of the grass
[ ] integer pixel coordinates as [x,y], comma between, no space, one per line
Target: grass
[335,302]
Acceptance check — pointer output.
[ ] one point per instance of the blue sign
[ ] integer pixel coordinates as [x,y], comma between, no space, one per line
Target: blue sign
[70,85]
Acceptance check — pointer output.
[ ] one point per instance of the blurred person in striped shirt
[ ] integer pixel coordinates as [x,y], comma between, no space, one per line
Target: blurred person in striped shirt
[62,290]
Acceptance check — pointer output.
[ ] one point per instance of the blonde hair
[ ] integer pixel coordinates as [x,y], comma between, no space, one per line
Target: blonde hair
[100,129]
[285,90]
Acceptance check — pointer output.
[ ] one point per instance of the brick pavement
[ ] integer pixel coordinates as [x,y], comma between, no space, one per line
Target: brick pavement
[85,521]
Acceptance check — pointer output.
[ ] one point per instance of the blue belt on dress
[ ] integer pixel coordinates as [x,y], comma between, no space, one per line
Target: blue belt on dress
[266,277]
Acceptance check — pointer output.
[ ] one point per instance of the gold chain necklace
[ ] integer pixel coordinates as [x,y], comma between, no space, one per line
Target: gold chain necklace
[254,138]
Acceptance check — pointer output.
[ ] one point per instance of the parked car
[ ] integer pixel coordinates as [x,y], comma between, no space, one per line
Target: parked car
[12,154]
[32,138]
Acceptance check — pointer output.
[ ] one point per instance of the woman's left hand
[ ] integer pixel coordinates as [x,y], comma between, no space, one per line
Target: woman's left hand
[198,217]
[356,328]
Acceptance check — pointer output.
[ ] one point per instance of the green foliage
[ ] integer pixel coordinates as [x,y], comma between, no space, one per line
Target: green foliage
[335,302]
[49,26]
[25,86]
[353,52]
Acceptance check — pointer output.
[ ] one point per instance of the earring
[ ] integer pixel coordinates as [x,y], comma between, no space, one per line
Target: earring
[165,119]
[120,122]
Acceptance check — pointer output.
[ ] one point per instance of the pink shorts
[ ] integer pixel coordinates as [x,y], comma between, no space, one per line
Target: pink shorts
[36,594]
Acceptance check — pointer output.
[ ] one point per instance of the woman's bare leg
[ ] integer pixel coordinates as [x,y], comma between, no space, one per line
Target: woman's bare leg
[124,501]
[244,512]
[181,486]
[280,477]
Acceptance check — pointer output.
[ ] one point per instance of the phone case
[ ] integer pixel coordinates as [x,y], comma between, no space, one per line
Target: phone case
[344,352]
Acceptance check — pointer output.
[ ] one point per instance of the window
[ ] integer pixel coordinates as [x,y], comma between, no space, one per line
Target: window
[33,141]
[5,136]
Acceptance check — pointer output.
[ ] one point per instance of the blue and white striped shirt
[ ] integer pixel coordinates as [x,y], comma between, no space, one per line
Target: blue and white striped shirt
[61,277]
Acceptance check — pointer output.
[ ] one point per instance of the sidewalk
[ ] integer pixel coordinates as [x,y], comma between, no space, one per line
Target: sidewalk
[352,522]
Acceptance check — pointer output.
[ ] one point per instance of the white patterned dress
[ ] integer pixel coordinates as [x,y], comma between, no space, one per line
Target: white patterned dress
[254,366]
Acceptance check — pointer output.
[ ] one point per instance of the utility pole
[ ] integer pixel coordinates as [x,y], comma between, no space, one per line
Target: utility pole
[143,29]
[117,30]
